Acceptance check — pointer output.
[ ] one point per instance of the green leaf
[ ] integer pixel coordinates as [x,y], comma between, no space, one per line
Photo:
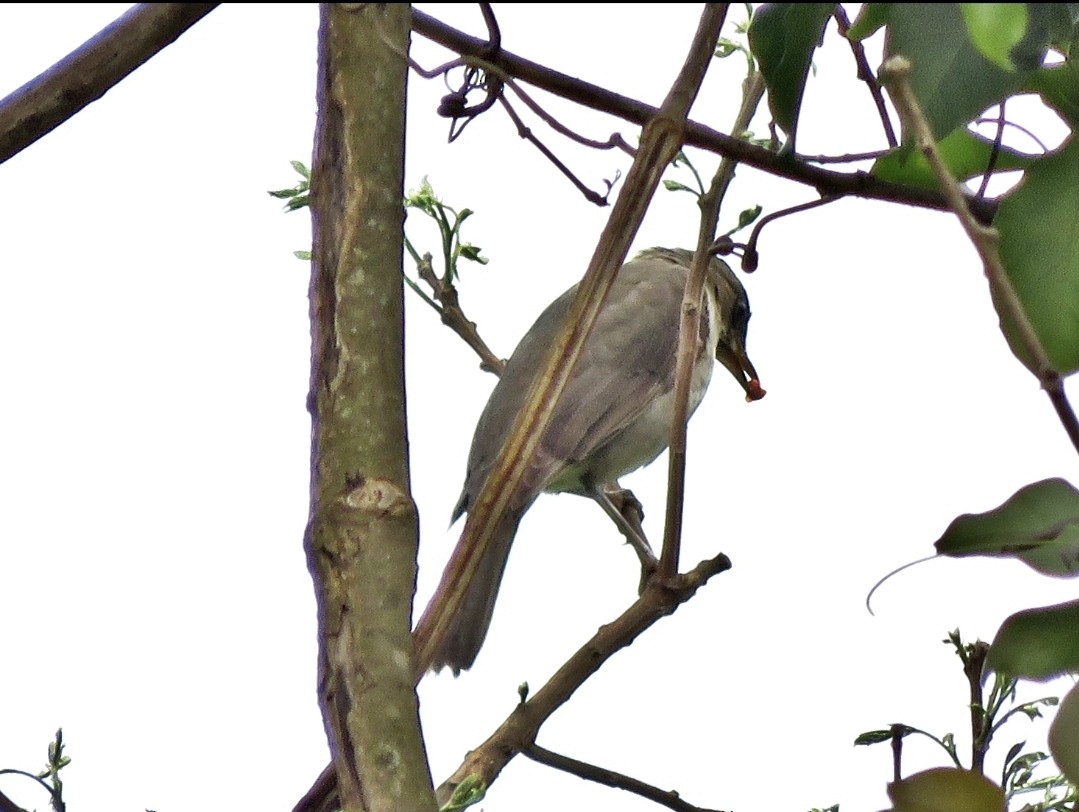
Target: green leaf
[946,789]
[747,216]
[1038,643]
[966,155]
[1064,736]
[874,737]
[301,169]
[1039,524]
[469,792]
[1059,88]
[996,28]
[1039,247]
[951,80]
[783,36]
[870,19]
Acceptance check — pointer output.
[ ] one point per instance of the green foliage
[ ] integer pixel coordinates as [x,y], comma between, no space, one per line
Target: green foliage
[783,37]
[468,793]
[1039,246]
[995,29]
[449,222]
[1039,524]
[745,217]
[298,196]
[959,787]
[952,80]
[1038,643]
[967,155]
[49,778]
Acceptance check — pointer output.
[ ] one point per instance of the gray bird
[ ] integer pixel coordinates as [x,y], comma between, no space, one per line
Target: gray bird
[615,413]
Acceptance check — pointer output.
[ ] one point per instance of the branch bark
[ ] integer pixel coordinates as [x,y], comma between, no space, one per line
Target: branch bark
[363,535]
[825,181]
[86,74]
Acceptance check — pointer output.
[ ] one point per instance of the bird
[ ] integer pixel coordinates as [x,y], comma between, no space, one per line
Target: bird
[614,415]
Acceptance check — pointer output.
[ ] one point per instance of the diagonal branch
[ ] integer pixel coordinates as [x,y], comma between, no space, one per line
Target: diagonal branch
[87,73]
[895,74]
[520,728]
[826,181]
[610,778]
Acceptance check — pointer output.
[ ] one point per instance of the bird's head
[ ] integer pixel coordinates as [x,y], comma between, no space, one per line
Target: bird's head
[733,307]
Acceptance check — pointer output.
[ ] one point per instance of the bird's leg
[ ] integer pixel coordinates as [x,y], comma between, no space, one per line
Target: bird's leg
[617,503]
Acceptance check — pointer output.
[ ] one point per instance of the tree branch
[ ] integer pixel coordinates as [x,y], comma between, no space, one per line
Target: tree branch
[519,729]
[895,74]
[610,778]
[825,181]
[710,202]
[363,534]
[87,73]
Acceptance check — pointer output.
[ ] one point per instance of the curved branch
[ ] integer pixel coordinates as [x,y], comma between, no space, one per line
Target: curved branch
[90,71]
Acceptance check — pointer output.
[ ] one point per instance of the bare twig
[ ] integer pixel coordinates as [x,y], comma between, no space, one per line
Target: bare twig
[849,158]
[994,153]
[610,778]
[710,202]
[826,181]
[750,255]
[895,73]
[449,308]
[614,141]
[527,134]
[87,73]
[865,74]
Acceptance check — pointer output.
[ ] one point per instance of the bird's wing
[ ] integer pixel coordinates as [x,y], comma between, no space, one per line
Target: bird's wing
[625,363]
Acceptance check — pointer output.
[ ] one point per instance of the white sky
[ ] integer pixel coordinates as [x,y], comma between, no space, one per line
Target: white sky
[154,598]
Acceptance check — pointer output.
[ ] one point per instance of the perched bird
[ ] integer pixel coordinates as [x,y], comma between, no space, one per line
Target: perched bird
[615,412]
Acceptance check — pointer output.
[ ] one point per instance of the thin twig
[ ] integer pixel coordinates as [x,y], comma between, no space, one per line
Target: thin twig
[610,778]
[849,158]
[527,134]
[614,141]
[895,73]
[860,184]
[750,255]
[994,153]
[449,308]
[710,202]
[865,73]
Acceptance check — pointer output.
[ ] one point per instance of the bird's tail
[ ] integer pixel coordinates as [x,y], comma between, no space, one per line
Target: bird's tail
[467,630]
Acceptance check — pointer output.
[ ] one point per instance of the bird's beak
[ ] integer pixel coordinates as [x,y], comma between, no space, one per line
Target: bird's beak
[733,357]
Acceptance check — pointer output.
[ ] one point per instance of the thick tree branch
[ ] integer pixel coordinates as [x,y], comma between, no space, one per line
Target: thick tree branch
[363,534]
[86,74]
[825,181]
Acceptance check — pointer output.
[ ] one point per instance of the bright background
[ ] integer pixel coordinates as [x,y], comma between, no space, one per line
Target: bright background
[154,346]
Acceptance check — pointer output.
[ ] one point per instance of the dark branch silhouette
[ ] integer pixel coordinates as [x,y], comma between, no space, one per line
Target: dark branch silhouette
[87,73]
